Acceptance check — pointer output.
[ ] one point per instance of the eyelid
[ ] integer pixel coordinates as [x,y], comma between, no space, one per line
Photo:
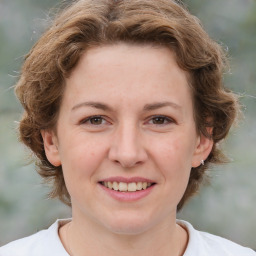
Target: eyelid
[85,120]
[167,118]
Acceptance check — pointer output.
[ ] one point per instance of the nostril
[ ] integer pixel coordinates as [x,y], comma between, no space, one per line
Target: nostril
[126,156]
[130,164]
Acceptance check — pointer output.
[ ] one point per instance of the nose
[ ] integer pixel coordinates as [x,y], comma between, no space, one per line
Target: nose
[127,147]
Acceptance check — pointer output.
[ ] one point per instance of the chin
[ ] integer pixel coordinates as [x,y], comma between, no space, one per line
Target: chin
[129,225]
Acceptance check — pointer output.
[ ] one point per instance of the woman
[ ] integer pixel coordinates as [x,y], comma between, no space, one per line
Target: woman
[124,108]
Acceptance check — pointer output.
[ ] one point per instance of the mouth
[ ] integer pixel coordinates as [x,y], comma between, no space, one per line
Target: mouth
[127,187]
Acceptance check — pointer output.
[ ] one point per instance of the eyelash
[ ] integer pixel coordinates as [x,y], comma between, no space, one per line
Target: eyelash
[90,118]
[166,120]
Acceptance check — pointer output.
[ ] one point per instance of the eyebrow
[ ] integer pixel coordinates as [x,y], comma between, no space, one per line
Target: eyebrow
[157,105]
[93,104]
[147,107]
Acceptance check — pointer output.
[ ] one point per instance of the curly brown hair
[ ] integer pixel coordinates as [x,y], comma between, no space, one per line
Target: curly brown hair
[88,23]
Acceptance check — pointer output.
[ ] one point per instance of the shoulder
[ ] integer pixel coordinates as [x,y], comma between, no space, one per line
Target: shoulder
[202,243]
[25,246]
[45,242]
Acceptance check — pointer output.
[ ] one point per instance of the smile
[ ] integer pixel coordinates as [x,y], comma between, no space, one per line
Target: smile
[126,187]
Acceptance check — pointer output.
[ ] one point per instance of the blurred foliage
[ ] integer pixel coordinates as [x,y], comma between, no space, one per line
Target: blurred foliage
[226,208]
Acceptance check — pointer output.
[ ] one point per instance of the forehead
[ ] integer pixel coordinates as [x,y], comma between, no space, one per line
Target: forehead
[127,54]
[129,72]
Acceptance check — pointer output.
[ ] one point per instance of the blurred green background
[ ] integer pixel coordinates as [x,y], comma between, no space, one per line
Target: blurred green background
[226,207]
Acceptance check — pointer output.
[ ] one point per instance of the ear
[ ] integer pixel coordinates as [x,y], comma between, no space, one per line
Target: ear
[203,149]
[51,147]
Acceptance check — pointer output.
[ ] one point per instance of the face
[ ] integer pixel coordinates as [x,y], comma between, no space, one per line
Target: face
[126,137]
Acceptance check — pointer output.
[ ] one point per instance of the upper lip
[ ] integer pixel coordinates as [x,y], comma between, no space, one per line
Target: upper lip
[127,179]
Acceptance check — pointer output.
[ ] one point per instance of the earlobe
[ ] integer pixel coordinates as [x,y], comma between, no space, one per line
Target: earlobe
[202,151]
[51,147]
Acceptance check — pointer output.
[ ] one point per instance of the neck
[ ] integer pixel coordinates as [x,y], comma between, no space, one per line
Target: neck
[166,238]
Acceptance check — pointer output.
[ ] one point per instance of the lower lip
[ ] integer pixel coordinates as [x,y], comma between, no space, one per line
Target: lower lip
[127,196]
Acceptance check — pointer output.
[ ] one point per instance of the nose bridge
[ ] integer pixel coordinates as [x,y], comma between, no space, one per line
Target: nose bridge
[127,147]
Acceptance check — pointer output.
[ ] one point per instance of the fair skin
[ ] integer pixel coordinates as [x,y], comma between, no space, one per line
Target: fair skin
[126,116]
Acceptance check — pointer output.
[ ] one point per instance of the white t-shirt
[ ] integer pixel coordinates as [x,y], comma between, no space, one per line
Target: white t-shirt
[47,243]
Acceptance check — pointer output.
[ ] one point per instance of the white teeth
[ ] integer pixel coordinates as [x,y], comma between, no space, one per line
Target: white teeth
[132,187]
[124,187]
[115,185]
[139,186]
[109,185]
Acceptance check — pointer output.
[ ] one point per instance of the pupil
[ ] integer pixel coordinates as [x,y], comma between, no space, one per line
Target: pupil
[158,120]
[96,120]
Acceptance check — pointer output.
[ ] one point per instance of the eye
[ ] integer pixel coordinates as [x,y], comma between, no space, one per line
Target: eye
[161,120]
[94,120]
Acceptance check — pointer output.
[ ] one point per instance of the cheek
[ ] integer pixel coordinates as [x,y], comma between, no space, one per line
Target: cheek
[173,158]
[81,159]
[174,167]
[172,150]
